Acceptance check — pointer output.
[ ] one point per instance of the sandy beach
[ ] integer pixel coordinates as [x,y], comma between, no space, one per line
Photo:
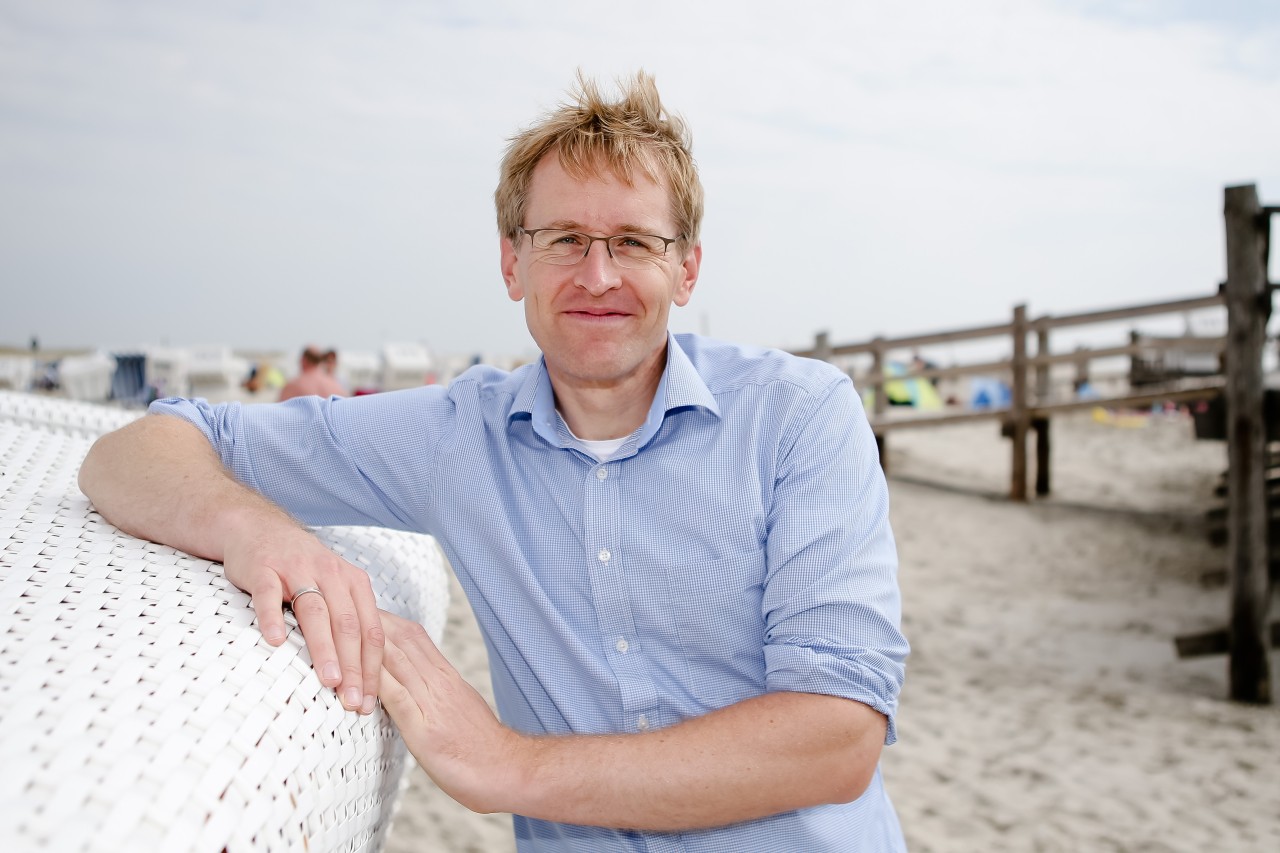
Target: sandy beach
[1045,708]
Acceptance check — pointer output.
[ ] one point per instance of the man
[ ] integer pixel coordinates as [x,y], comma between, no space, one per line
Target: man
[677,549]
[315,376]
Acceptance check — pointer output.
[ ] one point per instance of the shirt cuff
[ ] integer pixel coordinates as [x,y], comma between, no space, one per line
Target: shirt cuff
[869,677]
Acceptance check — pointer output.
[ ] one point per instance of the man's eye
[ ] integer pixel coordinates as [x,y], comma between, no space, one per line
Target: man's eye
[636,243]
[568,239]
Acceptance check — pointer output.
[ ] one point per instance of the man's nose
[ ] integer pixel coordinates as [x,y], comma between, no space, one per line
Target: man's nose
[597,273]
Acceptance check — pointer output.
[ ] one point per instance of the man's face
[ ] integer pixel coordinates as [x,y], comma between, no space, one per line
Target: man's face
[598,324]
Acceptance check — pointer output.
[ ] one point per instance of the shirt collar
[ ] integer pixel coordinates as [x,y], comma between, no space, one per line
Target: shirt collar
[680,387]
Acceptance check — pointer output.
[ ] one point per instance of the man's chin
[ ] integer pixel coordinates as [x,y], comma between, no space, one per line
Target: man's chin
[598,366]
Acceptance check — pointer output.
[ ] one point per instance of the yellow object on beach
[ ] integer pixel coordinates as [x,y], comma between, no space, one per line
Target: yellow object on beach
[1109,417]
[908,391]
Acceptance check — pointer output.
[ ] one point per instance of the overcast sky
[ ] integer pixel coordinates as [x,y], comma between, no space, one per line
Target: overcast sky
[267,174]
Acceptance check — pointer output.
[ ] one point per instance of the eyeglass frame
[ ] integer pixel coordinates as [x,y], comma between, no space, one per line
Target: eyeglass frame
[666,241]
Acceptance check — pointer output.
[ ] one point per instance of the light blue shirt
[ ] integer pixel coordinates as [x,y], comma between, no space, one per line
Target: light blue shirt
[738,543]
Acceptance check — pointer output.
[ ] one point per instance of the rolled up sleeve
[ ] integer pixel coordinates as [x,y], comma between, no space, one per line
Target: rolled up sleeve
[324,461]
[832,606]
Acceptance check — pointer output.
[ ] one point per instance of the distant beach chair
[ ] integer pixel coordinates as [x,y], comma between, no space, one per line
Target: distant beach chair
[166,371]
[87,377]
[359,370]
[214,369]
[129,382]
[405,365]
[1165,359]
[16,372]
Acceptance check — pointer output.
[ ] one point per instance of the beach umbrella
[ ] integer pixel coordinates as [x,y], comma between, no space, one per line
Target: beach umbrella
[988,393]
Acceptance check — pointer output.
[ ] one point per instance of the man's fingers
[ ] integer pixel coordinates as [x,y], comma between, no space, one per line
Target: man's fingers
[312,612]
[402,660]
[267,598]
[406,632]
[415,661]
[398,701]
[344,620]
[371,645]
[416,638]
[334,605]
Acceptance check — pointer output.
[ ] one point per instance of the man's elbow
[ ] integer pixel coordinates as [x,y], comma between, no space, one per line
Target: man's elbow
[152,438]
[855,762]
[853,782]
[91,468]
[106,449]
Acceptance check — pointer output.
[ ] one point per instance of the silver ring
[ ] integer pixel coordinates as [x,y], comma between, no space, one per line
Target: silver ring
[304,591]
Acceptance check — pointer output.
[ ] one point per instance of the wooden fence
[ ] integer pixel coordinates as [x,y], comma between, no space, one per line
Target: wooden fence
[1031,402]
[1246,296]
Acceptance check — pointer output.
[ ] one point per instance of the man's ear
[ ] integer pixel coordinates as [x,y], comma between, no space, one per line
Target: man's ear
[689,268]
[515,288]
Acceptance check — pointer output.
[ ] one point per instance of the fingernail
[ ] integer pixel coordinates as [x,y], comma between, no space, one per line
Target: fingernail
[367,706]
[273,635]
[331,672]
[352,698]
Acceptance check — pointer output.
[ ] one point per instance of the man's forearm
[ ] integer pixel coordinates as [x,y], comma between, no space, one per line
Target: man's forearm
[760,757]
[159,479]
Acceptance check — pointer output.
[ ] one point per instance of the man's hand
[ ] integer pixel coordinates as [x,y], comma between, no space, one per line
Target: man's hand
[762,756]
[447,725]
[340,625]
[159,479]
[773,753]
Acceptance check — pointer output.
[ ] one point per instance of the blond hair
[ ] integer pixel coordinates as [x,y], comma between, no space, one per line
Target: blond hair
[591,134]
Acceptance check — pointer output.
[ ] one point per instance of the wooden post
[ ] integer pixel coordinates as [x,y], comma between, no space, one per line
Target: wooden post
[822,346]
[879,403]
[1018,410]
[1082,370]
[1248,300]
[1042,424]
[1136,371]
[877,376]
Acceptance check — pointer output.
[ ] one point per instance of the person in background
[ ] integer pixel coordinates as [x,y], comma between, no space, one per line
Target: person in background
[678,549]
[330,360]
[263,377]
[315,376]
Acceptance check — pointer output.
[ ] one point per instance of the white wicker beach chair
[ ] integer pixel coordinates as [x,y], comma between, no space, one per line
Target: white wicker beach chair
[140,709]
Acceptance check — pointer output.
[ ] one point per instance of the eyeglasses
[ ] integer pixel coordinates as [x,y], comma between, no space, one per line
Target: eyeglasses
[566,248]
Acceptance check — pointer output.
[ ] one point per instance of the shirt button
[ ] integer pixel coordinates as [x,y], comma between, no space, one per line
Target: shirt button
[622,645]
[601,473]
[642,723]
[604,555]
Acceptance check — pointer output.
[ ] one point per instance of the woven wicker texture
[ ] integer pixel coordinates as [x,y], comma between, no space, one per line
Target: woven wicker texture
[140,709]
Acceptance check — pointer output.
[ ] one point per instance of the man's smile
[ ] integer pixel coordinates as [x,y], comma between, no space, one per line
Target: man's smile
[596,314]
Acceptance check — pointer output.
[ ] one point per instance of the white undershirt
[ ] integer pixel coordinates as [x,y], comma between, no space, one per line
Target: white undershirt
[602,449]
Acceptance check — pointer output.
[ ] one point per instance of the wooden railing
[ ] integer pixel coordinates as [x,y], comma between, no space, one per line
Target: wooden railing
[1032,402]
[1247,297]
